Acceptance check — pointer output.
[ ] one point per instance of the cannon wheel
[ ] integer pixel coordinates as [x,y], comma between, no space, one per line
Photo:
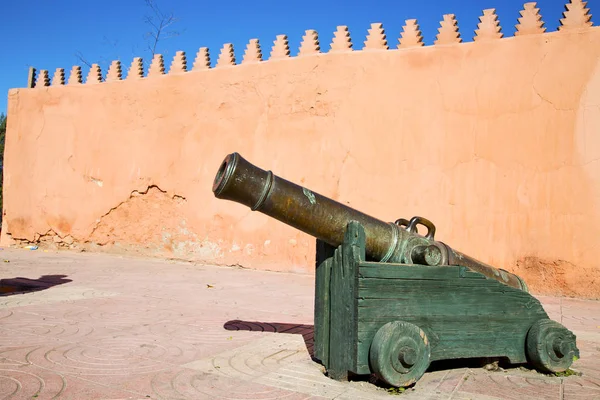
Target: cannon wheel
[550,346]
[400,353]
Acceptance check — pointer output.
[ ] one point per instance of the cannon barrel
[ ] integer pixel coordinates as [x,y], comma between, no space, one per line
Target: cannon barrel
[323,218]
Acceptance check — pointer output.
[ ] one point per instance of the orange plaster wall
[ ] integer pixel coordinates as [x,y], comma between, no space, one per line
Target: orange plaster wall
[496,142]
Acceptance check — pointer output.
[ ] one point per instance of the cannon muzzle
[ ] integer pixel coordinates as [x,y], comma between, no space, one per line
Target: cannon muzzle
[323,218]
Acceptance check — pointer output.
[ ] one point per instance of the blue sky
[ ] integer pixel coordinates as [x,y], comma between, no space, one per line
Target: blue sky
[47,34]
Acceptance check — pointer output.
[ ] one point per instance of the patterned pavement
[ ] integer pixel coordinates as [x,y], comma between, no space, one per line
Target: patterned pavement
[94,326]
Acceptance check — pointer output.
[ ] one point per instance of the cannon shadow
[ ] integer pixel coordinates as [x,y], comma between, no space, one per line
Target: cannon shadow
[307,331]
[20,285]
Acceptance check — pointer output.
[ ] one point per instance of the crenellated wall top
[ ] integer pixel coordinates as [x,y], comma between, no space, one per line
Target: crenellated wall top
[576,17]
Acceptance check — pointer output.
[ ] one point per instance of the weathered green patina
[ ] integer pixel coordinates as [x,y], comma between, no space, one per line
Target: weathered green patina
[389,301]
[394,319]
[326,219]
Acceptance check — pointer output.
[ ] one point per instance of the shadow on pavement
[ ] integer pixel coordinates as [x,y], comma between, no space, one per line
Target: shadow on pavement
[19,285]
[307,331]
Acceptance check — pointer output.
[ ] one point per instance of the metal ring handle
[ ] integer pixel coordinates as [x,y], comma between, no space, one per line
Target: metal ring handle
[404,223]
[414,221]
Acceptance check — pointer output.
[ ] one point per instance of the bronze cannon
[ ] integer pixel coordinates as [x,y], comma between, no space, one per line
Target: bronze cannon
[326,219]
[388,300]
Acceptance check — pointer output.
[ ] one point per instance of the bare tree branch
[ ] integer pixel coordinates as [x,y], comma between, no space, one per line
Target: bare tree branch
[148,20]
[81,58]
[158,28]
[158,23]
[110,42]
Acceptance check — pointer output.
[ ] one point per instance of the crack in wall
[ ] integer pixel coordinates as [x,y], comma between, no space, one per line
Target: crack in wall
[537,91]
[52,237]
[134,193]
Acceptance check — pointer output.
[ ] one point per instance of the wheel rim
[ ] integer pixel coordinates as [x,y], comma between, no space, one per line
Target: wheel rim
[550,346]
[400,353]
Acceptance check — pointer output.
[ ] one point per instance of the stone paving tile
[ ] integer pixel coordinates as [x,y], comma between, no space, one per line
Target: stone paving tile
[136,328]
[56,295]
[576,392]
[23,381]
[508,386]
[48,327]
[589,365]
[440,382]
[192,384]
[10,338]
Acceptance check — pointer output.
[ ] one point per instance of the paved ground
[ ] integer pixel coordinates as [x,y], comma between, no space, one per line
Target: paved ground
[107,327]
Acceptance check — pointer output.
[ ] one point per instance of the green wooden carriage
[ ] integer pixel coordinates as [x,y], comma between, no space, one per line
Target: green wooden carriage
[393,320]
[413,301]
